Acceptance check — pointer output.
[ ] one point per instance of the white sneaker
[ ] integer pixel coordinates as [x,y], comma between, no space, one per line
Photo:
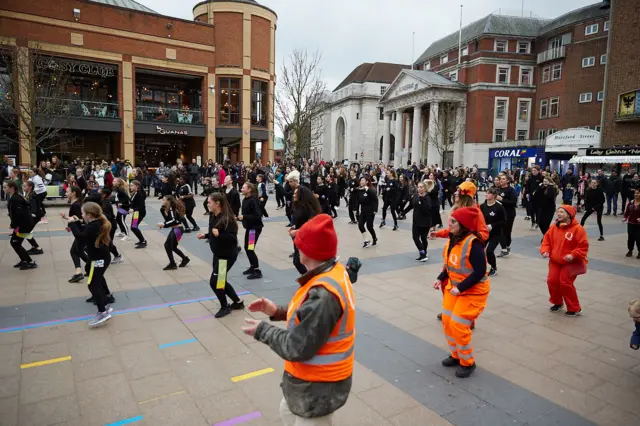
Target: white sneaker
[117,259]
[109,309]
[119,235]
[125,238]
[100,318]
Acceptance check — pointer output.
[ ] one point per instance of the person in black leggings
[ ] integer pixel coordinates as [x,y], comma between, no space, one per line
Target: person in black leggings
[171,211]
[223,240]
[390,196]
[37,212]
[305,207]
[22,224]
[545,200]
[508,197]
[123,204]
[495,217]
[251,218]
[107,210]
[421,203]
[263,195]
[74,195]
[185,194]
[367,206]
[138,211]
[594,200]
[353,184]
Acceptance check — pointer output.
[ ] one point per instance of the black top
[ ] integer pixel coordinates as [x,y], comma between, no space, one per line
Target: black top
[138,201]
[353,185]
[391,191]
[20,214]
[75,209]
[331,191]
[509,200]
[594,198]
[367,201]
[35,207]
[107,210]
[234,200]
[300,217]
[171,218]
[224,246]
[422,210]
[262,190]
[404,192]
[122,199]
[495,216]
[89,233]
[251,213]
[185,190]
[434,195]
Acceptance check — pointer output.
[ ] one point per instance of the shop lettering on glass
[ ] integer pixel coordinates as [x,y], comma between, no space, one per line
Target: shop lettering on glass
[514,152]
[407,87]
[613,151]
[75,66]
[163,131]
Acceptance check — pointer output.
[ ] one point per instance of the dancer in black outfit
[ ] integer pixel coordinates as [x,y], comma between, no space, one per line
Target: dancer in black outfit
[368,206]
[263,195]
[390,195]
[138,212]
[305,206]
[352,206]
[545,201]
[172,211]
[223,240]
[594,199]
[434,195]
[185,194]
[96,234]
[508,197]
[421,203]
[404,197]
[321,194]
[233,197]
[37,212]
[495,217]
[448,188]
[251,217]
[123,204]
[107,210]
[74,195]
[22,224]
[333,199]
[535,180]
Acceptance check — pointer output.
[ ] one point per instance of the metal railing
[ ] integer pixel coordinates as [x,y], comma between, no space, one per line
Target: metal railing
[78,108]
[168,115]
[551,54]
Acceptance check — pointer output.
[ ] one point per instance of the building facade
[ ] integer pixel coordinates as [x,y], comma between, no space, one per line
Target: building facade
[147,87]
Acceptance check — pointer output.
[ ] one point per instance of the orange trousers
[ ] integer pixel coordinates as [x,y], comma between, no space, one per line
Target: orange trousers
[561,288]
[458,313]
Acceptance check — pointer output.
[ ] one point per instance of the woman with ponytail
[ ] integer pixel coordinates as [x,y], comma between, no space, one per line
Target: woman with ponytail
[123,204]
[96,234]
[172,212]
[74,196]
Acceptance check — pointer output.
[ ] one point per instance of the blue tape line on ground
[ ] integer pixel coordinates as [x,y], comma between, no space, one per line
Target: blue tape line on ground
[120,312]
[181,342]
[125,421]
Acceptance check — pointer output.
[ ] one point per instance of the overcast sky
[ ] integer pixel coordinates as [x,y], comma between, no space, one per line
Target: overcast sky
[350,32]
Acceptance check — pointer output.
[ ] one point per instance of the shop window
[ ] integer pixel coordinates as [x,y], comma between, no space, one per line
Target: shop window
[554,107]
[499,135]
[546,74]
[259,102]
[544,108]
[229,101]
[556,72]
[522,135]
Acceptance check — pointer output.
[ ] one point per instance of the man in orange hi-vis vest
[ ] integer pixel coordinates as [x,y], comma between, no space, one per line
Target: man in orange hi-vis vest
[467,287]
[317,344]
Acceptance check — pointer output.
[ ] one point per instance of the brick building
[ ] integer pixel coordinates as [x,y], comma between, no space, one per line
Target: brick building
[147,87]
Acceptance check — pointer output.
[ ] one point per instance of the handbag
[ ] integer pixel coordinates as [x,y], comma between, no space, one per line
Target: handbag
[577,268]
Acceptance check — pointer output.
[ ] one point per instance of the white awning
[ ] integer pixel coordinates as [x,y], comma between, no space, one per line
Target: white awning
[607,159]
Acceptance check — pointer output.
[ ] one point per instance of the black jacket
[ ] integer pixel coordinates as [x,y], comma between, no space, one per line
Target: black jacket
[391,192]
[20,214]
[122,199]
[89,233]
[404,193]
[107,210]
[509,200]
[224,246]
[138,201]
[494,215]
[262,191]
[251,213]
[75,209]
[171,218]
[594,198]
[422,210]
[234,200]
[185,190]
[35,207]
[533,183]
[367,201]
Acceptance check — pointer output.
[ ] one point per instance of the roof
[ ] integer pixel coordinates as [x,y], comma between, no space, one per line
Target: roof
[377,72]
[251,2]
[490,24]
[127,4]
[579,15]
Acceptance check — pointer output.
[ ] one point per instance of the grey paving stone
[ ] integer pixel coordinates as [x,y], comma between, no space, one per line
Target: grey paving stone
[12,321]
[484,415]
[560,417]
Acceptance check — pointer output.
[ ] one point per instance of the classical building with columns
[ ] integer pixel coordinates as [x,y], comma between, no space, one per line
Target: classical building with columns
[143,86]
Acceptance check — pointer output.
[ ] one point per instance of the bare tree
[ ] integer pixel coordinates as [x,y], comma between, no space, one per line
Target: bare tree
[446,130]
[299,100]
[33,100]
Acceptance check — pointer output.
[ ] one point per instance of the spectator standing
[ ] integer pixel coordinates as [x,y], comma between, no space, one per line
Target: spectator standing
[612,189]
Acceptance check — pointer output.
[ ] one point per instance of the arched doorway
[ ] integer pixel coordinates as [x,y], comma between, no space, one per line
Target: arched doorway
[392,148]
[341,129]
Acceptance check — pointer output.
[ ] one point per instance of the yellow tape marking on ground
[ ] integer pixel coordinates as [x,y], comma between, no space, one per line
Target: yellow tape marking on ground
[252,375]
[162,397]
[46,362]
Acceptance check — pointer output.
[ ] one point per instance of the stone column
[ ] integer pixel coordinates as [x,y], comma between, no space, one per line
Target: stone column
[416,143]
[210,148]
[397,158]
[24,75]
[128,137]
[433,156]
[247,146]
[386,138]
[459,129]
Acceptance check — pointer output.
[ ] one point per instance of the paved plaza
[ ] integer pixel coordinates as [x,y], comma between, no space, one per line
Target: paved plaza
[164,360]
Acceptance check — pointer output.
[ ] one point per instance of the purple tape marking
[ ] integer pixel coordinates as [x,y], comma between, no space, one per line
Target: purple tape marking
[241,419]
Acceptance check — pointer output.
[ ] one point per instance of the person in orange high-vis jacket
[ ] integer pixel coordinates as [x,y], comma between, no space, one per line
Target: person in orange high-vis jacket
[565,244]
[467,287]
[318,343]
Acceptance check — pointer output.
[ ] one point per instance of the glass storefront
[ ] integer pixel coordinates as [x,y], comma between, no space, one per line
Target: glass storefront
[71,144]
[167,97]
[511,158]
[154,149]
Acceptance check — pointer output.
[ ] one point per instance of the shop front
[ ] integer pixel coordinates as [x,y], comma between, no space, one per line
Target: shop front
[561,146]
[624,160]
[511,158]
[156,143]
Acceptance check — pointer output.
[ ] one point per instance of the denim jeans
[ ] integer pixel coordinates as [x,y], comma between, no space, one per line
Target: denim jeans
[614,198]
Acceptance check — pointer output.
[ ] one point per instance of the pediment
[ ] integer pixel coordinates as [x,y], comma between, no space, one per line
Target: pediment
[404,84]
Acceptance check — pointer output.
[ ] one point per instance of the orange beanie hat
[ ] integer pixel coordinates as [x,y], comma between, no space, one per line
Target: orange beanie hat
[467,188]
[571,211]
[317,238]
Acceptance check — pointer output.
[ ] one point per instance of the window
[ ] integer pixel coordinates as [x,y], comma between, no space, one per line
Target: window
[524,47]
[501,109]
[453,76]
[357,116]
[382,90]
[588,62]
[522,135]
[554,107]
[555,43]
[601,96]
[597,128]
[603,59]
[591,29]
[500,46]
[444,58]
[499,135]
[551,131]
[542,134]
[427,66]
[259,96]
[523,110]
[381,117]
[546,74]
[230,101]
[544,108]
[586,97]
[503,74]
[556,72]
[606,26]
[464,51]
[526,78]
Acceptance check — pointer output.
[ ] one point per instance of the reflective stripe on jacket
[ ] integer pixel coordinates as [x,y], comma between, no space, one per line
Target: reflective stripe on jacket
[334,360]
[459,266]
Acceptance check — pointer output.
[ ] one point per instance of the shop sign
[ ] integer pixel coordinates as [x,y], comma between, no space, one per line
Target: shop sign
[163,131]
[70,66]
[571,140]
[635,150]
[513,153]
